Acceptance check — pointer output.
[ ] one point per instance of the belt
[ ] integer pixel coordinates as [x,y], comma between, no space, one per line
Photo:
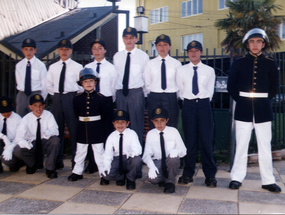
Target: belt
[253,95]
[89,118]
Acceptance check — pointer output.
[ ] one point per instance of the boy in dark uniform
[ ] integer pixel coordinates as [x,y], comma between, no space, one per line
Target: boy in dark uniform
[89,108]
[253,81]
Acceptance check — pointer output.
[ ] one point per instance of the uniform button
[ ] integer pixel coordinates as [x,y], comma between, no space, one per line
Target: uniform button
[87,112]
[88,97]
[87,107]
[254,77]
[253,88]
[255,62]
[255,66]
[254,83]
[255,72]
[87,102]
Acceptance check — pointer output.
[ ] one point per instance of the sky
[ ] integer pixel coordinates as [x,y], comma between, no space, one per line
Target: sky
[123,5]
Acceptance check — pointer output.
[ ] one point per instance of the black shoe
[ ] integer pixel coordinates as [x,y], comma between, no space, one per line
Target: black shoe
[185,179]
[211,182]
[15,168]
[51,174]
[139,174]
[59,165]
[131,185]
[234,185]
[272,188]
[74,177]
[161,184]
[103,181]
[121,183]
[31,170]
[169,188]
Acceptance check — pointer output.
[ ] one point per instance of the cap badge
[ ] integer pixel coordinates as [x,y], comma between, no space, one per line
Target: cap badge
[63,42]
[28,41]
[129,29]
[97,40]
[4,103]
[37,97]
[193,43]
[158,111]
[120,113]
[162,36]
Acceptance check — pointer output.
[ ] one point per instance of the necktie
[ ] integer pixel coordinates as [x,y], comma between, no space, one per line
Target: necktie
[163,158]
[62,77]
[121,168]
[39,155]
[4,131]
[195,88]
[163,75]
[28,79]
[98,71]
[126,75]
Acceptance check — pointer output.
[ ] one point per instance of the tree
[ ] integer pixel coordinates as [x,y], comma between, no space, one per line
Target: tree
[247,14]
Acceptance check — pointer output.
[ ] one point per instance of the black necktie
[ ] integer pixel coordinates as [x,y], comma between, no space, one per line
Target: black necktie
[121,168]
[61,80]
[39,155]
[126,75]
[28,79]
[4,131]
[163,158]
[98,71]
[163,75]
[195,88]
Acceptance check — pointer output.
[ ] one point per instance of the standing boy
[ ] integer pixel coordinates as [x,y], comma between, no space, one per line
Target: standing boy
[30,77]
[197,118]
[163,150]
[91,112]
[122,153]
[129,65]
[9,122]
[61,82]
[160,81]
[253,81]
[36,136]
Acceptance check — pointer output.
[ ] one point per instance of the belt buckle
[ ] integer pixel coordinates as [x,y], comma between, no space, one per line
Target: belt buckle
[86,119]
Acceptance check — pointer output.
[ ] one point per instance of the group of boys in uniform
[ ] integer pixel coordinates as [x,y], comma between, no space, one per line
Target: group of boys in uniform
[83,99]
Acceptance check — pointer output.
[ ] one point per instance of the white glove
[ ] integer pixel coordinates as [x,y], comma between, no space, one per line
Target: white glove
[106,169]
[8,152]
[152,172]
[25,144]
[173,153]
[47,134]
[6,140]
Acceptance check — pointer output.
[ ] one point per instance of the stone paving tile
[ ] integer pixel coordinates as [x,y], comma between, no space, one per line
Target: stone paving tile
[153,202]
[155,189]
[125,211]
[262,197]
[5,174]
[251,185]
[100,197]
[27,206]
[80,208]
[221,182]
[281,171]
[62,181]
[13,187]
[256,176]
[23,177]
[4,197]
[202,206]
[253,208]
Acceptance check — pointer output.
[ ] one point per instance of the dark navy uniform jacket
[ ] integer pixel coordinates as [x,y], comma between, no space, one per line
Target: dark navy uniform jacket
[90,104]
[253,74]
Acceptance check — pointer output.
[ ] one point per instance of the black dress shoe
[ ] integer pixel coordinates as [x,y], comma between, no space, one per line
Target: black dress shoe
[31,170]
[169,188]
[103,181]
[51,174]
[185,179]
[121,182]
[234,185]
[131,185]
[272,188]
[211,182]
[74,177]
[161,184]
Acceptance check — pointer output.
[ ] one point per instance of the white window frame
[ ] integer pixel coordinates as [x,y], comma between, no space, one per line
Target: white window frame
[188,38]
[186,5]
[281,31]
[153,48]
[224,4]
[159,15]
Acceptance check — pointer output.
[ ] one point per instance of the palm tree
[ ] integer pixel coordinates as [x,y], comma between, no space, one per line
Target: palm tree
[245,15]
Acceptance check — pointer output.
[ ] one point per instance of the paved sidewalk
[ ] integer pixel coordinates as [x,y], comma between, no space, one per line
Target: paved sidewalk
[36,194]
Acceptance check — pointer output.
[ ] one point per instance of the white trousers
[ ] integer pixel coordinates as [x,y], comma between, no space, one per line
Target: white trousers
[263,136]
[81,152]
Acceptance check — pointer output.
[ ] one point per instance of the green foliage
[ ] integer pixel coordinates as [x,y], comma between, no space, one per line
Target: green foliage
[248,14]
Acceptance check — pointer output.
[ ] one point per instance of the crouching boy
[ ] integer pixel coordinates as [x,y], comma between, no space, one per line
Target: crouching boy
[36,136]
[122,159]
[163,150]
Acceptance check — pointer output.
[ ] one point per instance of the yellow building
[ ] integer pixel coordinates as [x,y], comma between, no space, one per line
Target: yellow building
[185,20]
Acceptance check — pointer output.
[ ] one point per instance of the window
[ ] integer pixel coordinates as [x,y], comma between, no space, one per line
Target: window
[159,15]
[192,7]
[222,3]
[153,49]
[188,38]
[281,31]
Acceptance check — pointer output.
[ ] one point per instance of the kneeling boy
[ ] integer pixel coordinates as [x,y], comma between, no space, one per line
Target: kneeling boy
[163,150]
[122,153]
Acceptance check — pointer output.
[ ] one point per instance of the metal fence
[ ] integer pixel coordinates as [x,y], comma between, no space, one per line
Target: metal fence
[221,103]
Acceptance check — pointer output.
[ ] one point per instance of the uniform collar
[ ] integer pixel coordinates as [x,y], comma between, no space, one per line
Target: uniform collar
[166,58]
[31,60]
[261,56]
[35,118]
[198,65]
[124,132]
[102,61]
[158,131]
[66,62]
[132,52]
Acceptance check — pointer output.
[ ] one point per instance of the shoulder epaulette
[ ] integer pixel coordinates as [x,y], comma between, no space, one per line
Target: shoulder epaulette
[99,94]
[239,57]
[270,58]
[78,94]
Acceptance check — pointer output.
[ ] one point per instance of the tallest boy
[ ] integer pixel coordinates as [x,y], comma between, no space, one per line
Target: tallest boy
[129,65]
